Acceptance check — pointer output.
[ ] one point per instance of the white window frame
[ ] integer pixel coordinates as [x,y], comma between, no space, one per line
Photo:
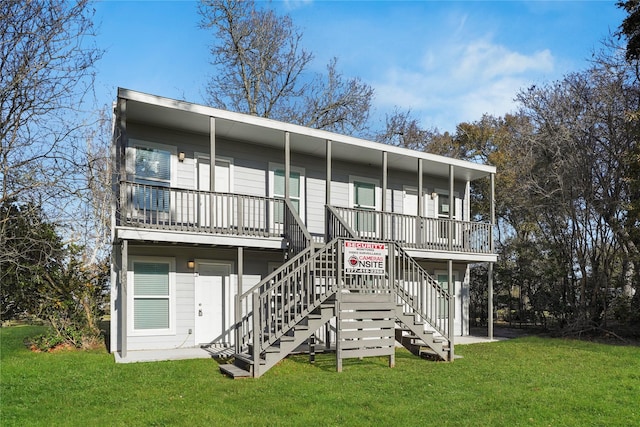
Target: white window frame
[456,197]
[378,191]
[303,200]
[171,330]
[130,166]
[131,159]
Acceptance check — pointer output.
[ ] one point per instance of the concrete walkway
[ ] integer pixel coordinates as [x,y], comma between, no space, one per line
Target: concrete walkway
[202,353]
[162,355]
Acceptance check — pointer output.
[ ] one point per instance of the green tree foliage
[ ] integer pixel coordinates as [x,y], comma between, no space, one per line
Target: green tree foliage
[33,254]
[630,28]
[45,279]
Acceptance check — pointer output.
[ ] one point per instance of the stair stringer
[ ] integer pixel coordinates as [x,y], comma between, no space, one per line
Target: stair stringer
[415,312]
[300,333]
[419,338]
[311,282]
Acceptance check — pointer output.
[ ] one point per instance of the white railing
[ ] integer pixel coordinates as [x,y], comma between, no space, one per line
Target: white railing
[410,231]
[165,208]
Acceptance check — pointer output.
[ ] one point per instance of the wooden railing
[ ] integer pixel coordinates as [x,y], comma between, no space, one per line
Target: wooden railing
[418,291]
[165,208]
[410,231]
[286,296]
[414,288]
[295,232]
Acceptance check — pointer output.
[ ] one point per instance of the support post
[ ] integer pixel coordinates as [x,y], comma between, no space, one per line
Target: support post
[492,213]
[384,195]
[327,199]
[452,204]
[124,299]
[256,334]
[490,301]
[452,308]
[238,307]
[212,154]
[492,209]
[420,213]
[287,166]
[339,277]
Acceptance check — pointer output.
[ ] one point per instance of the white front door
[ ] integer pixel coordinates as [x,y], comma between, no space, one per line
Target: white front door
[217,204]
[213,303]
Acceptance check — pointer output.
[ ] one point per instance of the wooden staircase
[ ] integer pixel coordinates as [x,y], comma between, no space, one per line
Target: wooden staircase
[244,364]
[286,309]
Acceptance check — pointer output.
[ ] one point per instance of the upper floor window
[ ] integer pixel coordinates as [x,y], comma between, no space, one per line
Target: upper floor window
[296,190]
[152,164]
[445,206]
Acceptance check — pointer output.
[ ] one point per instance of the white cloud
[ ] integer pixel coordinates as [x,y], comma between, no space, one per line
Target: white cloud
[458,82]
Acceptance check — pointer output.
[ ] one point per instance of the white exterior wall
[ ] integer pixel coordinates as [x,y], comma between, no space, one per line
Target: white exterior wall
[255,268]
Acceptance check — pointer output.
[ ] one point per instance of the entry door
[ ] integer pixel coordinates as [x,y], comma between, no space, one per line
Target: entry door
[214,209]
[407,228]
[364,197]
[213,303]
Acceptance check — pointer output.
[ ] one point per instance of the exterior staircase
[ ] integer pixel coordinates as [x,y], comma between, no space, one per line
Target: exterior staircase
[286,309]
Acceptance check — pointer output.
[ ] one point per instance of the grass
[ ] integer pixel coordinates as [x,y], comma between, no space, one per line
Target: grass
[527,381]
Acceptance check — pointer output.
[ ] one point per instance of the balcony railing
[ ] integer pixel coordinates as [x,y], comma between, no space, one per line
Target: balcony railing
[165,208]
[438,234]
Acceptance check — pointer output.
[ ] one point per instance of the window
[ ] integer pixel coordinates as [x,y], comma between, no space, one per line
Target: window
[151,167]
[443,281]
[444,206]
[296,191]
[152,296]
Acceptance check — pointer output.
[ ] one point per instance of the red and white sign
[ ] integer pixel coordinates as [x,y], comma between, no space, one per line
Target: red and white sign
[365,258]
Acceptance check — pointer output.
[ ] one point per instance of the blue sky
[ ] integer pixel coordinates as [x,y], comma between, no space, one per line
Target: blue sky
[448,61]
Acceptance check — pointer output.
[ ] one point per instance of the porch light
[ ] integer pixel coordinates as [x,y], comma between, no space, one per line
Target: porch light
[181,156]
[191,264]
[434,195]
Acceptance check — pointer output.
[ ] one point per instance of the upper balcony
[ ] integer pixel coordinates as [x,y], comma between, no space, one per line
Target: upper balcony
[158,213]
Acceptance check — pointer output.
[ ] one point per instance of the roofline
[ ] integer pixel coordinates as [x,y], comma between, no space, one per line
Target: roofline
[160,101]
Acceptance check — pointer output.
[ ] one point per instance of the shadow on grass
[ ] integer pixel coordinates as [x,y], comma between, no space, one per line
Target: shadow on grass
[327,361]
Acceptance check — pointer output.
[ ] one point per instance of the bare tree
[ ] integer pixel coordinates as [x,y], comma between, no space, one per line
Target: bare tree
[46,69]
[47,57]
[261,69]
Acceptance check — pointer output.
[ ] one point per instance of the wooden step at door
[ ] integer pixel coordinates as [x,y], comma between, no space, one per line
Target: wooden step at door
[234,371]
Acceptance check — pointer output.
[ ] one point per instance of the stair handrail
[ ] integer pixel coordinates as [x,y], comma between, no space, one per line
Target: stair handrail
[286,296]
[295,232]
[245,302]
[337,226]
[429,302]
[429,310]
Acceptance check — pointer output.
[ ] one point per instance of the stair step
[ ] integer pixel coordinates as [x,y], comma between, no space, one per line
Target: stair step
[234,371]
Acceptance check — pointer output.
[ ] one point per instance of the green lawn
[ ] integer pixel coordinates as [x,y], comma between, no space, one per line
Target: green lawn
[526,381]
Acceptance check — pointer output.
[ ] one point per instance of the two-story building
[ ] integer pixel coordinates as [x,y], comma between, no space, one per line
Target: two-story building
[234,231]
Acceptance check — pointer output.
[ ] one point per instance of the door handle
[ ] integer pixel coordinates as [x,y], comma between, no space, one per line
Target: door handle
[200,312]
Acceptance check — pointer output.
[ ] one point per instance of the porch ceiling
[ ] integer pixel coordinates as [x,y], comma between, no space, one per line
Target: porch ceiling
[194,118]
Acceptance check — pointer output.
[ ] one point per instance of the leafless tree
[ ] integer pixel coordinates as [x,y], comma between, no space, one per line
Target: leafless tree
[46,69]
[47,55]
[261,69]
